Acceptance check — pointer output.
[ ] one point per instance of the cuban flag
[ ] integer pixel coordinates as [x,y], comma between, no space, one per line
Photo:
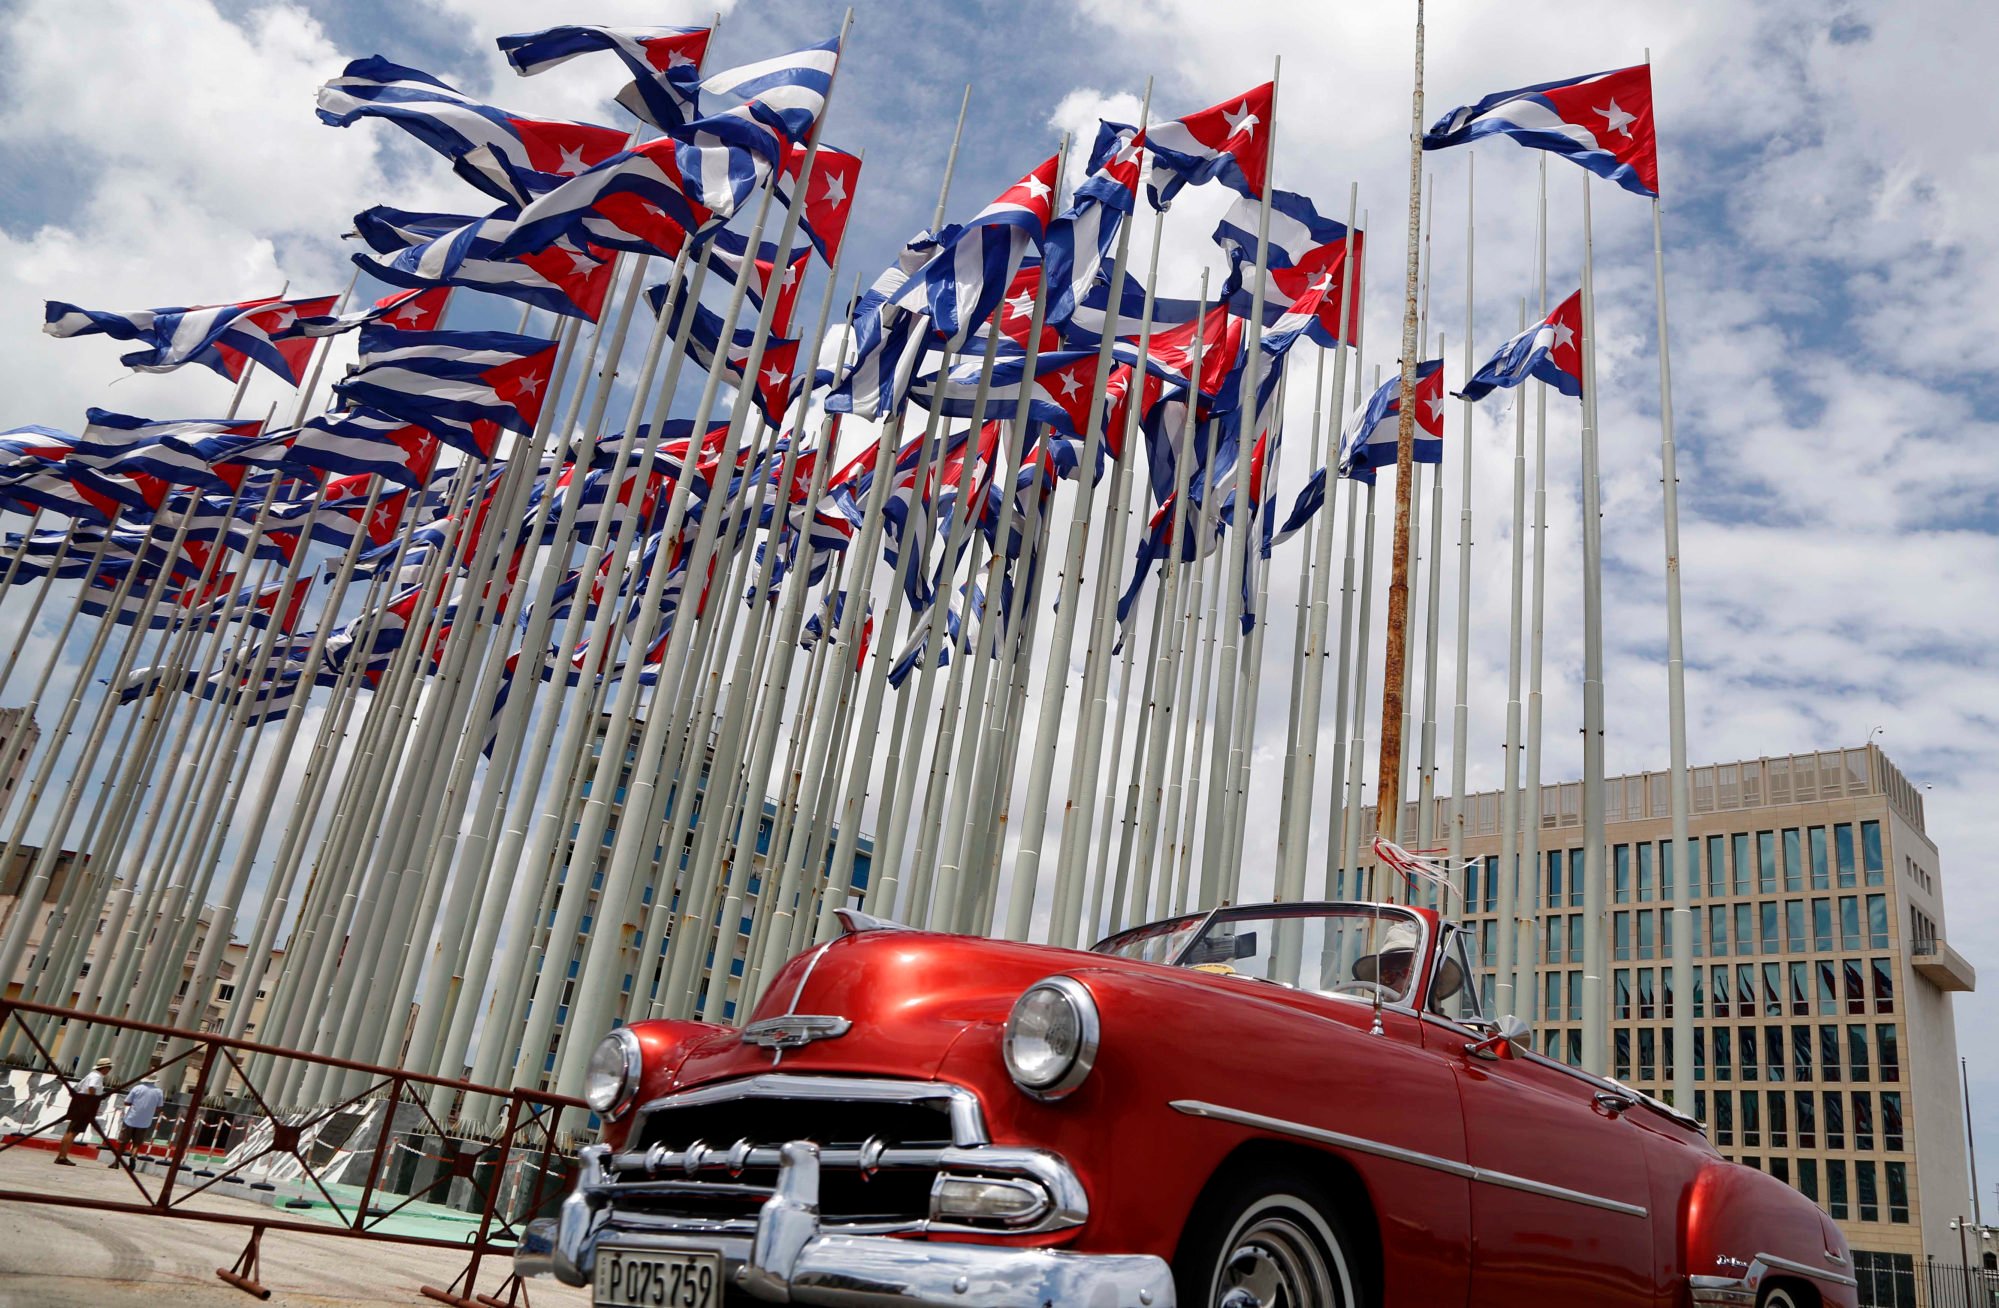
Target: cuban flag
[1080,240]
[1306,262]
[363,442]
[225,337]
[1602,121]
[1227,143]
[418,311]
[1058,393]
[509,157]
[889,340]
[665,63]
[787,91]
[1370,437]
[776,386]
[829,200]
[1550,350]
[1311,498]
[728,258]
[27,450]
[645,191]
[464,386]
[565,278]
[961,286]
[1085,328]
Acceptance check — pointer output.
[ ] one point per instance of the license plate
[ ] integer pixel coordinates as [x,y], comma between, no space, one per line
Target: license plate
[658,1278]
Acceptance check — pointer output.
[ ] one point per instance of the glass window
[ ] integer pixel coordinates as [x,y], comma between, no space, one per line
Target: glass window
[1863,1190]
[1667,858]
[1752,1121]
[1828,988]
[1870,852]
[1576,883]
[1554,876]
[1822,925]
[1620,874]
[1621,935]
[1645,916]
[1717,866]
[1647,1004]
[1780,1135]
[1700,992]
[1648,1053]
[1794,860]
[1829,1057]
[1694,920]
[1576,999]
[1766,862]
[1819,875]
[1877,921]
[1891,1120]
[1801,1053]
[1773,990]
[1863,1120]
[1645,873]
[1842,843]
[1491,882]
[1808,1115]
[1621,987]
[1884,985]
[1717,929]
[1700,1062]
[1621,1041]
[1808,1178]
[1745,928]
[1745,875]
[1849,921]
[1551,1005]
[1794,926]
[1856,1053]
[1889,1048]
[1856,999]
[1835,1189]
[1801,993]
[1773,1052]
[1724,1058]
[1834,1117]
[1745,989]
[1781,1169]
[1724,1118]
[1898,1193]
[1720,992]
[1666,991]
[1768,913]
[1575,938]
[1745,1044]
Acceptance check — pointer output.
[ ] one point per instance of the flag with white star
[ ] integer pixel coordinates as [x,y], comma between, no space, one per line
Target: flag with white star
[1227,143]
[1550,350]
[665,63]
[463,386]
[1602,121]
[1370,437]
[225,337]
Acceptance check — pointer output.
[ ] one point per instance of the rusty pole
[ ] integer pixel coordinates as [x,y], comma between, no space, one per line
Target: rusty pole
[1388,787]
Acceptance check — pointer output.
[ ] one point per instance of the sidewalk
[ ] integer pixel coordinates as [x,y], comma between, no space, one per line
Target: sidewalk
[62,1257]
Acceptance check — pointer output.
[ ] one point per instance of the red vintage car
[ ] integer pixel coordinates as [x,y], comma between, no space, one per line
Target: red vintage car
[1287,1104]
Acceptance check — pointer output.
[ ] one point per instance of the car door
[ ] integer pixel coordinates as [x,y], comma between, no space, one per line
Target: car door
[1560,1195]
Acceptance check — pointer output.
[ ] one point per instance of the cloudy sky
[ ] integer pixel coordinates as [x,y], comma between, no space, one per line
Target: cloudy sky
[1833,288]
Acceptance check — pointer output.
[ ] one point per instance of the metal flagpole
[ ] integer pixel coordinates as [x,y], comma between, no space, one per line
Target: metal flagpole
[1357,748]
[1303,658]
[1529,803]
[1225,761]
[1183,808]
[1338,817]
[1388,788]
[1510,870]
[1680,800]
[1055,685]
[1596,975]
[1461,709]
[1426,784]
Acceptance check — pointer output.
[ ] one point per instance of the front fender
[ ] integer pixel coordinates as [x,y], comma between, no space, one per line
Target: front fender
[1742,1228]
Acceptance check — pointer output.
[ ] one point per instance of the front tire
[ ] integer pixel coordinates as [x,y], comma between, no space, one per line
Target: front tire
[1269,1242]
[1778,1296]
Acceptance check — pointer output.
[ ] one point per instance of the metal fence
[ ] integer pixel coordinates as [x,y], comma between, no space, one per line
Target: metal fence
[374,1155]
[1953,1285]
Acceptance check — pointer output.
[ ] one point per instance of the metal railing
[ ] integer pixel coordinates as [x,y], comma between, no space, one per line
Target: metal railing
[236,1144]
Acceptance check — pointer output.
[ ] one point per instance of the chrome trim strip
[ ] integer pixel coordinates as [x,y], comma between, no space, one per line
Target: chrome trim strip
[1814,1273]
[968,1122]
[1360,1144]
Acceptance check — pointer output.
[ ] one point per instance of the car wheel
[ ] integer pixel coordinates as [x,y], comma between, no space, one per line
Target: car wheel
[1270,1242]
[1778,1296]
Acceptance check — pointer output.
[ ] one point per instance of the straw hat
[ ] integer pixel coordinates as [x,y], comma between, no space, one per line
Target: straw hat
[103,1064]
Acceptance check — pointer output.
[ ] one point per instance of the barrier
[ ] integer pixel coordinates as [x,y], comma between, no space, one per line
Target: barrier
[382,1143]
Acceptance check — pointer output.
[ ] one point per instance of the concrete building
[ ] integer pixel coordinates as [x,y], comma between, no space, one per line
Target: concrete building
[1826,1052]
[642,957]
[14,767]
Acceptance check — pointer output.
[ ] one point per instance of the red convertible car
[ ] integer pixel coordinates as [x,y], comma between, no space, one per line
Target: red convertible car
[1288,1104]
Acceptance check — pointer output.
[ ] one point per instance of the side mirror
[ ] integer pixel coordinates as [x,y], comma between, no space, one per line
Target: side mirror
[1507,1032]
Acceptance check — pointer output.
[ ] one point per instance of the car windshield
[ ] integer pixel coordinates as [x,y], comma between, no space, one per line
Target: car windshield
[1360,951]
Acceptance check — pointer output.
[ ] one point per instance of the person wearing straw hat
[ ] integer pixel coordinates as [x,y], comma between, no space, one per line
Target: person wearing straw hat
[142,1104]
[84,1099]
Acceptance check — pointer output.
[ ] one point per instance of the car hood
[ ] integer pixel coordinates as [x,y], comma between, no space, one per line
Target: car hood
[908,995]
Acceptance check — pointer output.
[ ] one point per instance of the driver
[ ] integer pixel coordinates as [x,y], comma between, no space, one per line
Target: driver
[1393,963]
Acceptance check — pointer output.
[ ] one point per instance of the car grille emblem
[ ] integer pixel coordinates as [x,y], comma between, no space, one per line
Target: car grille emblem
[794,1030]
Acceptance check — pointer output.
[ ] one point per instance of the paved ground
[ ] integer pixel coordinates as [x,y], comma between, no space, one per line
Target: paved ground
[60,1257]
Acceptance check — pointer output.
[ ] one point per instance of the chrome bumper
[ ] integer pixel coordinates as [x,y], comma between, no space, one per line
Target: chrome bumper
[789,1259]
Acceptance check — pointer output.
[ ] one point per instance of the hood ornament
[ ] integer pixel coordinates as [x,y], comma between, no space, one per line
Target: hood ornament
[795,1030]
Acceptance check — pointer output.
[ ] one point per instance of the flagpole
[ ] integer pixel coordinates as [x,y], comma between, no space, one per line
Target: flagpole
[1680,801]
[1529,803]
[1290,864]
[1595,974]
[1461,710]
[1345,401]
[1426,783]
[1510,870]
[1357,750]
[1184,806]
[1388,787]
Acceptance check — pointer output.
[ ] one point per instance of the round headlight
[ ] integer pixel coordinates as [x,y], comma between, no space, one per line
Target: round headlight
[613,1076]
[1051,1037]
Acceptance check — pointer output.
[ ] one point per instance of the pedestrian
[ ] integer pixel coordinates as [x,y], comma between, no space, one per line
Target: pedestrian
[142,1104]
[84,1098]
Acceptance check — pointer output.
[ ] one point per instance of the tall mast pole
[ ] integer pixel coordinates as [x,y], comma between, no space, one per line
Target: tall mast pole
[1595,1035]
[1388,785]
